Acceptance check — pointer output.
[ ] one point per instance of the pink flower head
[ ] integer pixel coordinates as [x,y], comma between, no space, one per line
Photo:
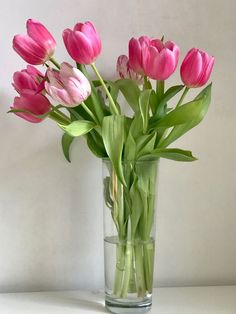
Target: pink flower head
[136,49]
[69,85]
[82,43]
[160,59]
[28,79]
[37,46]
[124,70]
[196,68]
[35,103]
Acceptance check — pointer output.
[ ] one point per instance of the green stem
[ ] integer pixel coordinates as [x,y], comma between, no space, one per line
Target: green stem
[160,88]
[148,252]
[113,105]
[139,269]
[120,254]
[59,117]
[94,96]
[182,97]
[57,65]
[127,272]
[89,112]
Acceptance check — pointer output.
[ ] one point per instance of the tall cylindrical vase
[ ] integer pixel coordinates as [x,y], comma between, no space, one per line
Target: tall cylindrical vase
[129,235]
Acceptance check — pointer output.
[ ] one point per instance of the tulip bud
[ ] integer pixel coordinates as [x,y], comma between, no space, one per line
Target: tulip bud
[196,68]
[68,86]
[37,46]
[82,43]
[136,49]
[35,103]
[28,79]
[160,60]
[124,70]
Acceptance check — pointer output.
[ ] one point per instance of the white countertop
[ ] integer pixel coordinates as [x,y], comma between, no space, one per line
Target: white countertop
[184,300]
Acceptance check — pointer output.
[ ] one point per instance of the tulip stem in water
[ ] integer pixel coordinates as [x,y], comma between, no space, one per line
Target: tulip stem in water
[57,65]
[182,97]
[113,105]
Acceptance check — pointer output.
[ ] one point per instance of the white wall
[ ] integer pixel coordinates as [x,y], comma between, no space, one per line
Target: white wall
[51,211]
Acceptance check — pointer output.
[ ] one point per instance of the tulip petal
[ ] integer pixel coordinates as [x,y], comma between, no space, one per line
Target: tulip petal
[36,103]
[191,68]
[28,49]
[41,35]
[23,80]
[90,32]
[135,56]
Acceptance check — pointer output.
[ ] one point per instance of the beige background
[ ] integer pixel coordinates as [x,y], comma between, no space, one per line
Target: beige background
[51,212]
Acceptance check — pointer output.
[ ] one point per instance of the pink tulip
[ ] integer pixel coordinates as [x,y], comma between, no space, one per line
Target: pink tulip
[28,79]
[38,46]
[124,70]
[196,68]
[160,60]
[136,49]
[68,86]
[35,103]
[82,43]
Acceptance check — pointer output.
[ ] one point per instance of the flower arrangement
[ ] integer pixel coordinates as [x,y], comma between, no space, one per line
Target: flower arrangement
[91,108]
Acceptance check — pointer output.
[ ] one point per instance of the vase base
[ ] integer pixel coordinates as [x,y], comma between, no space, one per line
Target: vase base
[116,307]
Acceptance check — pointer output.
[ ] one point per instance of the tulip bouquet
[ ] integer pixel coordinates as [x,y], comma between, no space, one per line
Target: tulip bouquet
[82,106]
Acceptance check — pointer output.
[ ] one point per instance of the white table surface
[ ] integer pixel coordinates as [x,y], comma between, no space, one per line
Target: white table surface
[184,300]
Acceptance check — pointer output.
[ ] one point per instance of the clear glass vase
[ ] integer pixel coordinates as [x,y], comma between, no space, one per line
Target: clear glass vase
[129,236]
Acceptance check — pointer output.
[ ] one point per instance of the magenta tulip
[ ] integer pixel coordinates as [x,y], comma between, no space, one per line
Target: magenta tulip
[28,79]
[68,86]
[35,103]
[136,49]
[160,60]
[82,43]
[38,46]
[196,68]
[124,70]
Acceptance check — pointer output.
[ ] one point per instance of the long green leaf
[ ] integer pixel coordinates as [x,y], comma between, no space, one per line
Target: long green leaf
[171,153]
[204,97]
[113,138]
[95,144]
[66,142]
[170,93]
[144,107]
[78,128]
[130,91]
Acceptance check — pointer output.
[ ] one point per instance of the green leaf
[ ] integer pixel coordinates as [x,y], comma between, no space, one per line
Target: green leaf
[171,153]
[145,144]
[113,138]
[182,114]
[78,128]
[202,102]
[130,91]
[130,148]
[170,93]
[95,144]
[144,107]
[66,141]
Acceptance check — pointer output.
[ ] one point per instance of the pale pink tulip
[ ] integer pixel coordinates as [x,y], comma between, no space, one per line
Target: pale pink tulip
[68,86]
[82,43]
[136,49]
[28,79]
[37,46]
[160,60]
[124,70]
[35,103]
[196,68]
